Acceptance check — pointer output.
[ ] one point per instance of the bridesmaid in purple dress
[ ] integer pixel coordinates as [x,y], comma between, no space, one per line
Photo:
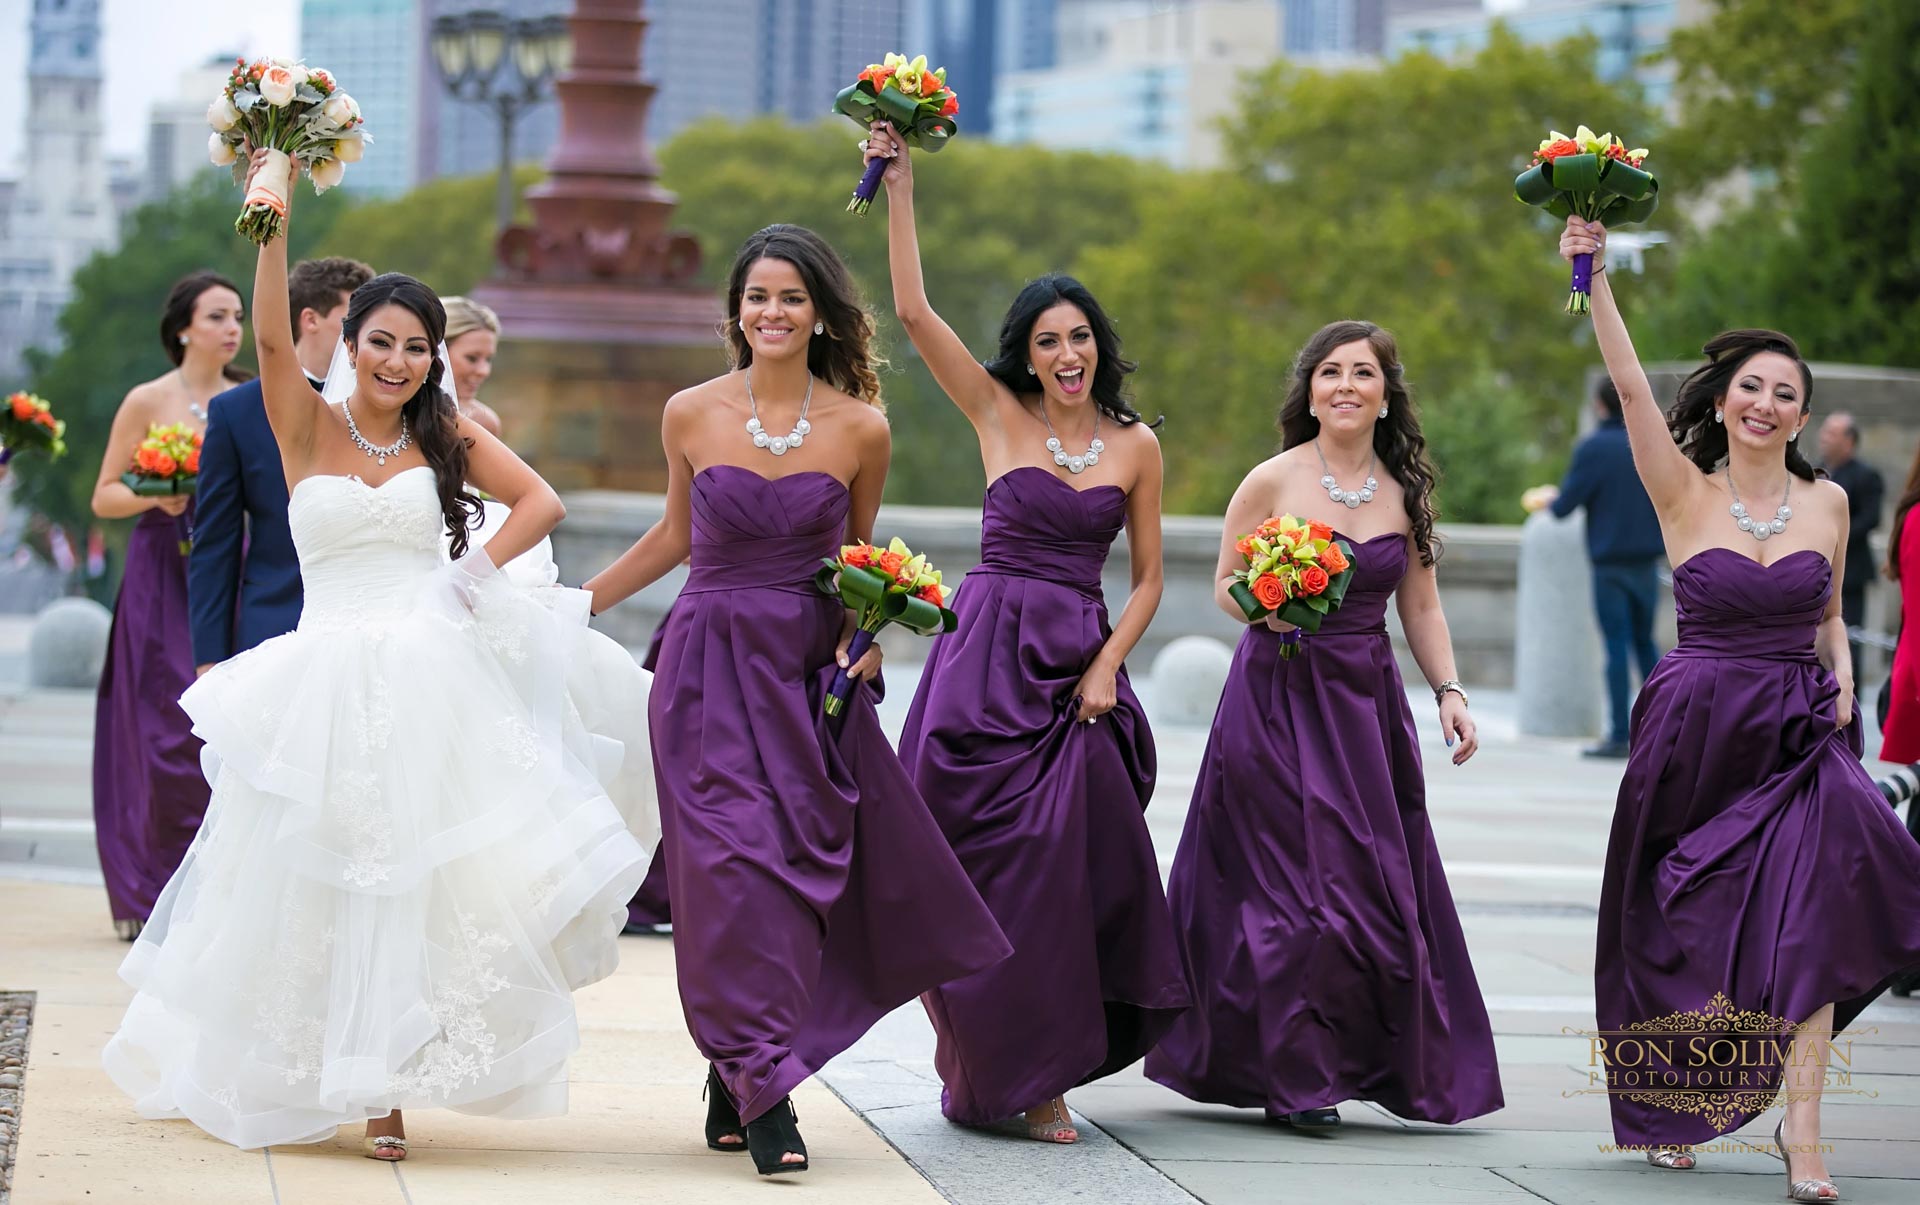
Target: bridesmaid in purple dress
[1319,934]
[812,891]
[1025,735]
[148,791]
[1751,856]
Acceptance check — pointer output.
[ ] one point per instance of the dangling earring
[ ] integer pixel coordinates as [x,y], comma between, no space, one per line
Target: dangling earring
[819,328]
[1383,410]
[1031,372]
[1719,416]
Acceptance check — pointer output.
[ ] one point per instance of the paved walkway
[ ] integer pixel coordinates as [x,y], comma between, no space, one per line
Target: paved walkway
[1522,830]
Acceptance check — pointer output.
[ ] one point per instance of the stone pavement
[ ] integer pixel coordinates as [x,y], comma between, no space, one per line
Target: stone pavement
[1522,829]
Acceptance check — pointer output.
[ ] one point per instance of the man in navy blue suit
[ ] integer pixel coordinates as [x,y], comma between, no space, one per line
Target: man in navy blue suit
[243,577]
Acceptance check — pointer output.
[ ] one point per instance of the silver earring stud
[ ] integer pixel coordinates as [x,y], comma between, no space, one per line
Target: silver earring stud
[1031,372]
[819,328]
[1383,412]
[1719,416]
[183,340]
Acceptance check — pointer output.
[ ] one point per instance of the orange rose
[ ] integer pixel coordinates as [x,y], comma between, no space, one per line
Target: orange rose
[930,84]
[1333,560]
[891,563]
[1553,150]
[45,418]
[858,556]
[1319,530]
[1313,580]
[165,465]
[952,107]
[931,593]
[1269,591]
[22,408]
[192,463]
[1244,546]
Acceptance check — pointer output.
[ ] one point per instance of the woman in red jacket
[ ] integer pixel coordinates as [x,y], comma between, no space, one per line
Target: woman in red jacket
[1901,732]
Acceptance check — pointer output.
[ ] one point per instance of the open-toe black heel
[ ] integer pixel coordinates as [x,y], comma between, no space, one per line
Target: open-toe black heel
[723,1120]
[772,1136]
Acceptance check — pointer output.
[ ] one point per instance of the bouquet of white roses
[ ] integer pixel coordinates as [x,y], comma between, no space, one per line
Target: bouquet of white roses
[300,116]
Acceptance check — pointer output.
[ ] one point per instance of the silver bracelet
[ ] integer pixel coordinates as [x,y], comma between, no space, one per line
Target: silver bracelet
[1451,684]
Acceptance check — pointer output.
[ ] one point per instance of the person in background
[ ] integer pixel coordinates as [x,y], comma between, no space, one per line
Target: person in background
[1624,544]
[1839,444]
[1900,731]
[473,338]
[243,577]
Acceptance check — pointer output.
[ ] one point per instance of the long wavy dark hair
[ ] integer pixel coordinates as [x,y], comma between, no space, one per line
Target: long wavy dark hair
[1704,441]
[1110,369]
[1909,498]
[177,315]
[844,357]
[429,413]
[1397,440]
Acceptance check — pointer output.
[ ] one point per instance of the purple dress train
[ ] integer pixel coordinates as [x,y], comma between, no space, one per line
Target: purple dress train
[1044,813]
[148,790]
[812,892]
[1320,938]
[1751,855]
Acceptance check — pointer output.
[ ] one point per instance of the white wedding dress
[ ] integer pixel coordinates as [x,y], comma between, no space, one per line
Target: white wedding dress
[426,823]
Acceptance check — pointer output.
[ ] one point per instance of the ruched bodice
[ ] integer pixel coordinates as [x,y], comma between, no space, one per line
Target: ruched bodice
[1035,525]
[1750,610]
[763,532]
[364,549]
[1378,566]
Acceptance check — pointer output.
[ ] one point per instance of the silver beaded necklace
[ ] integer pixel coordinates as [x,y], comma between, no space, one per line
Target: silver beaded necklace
[1760,529]
[778,444]
[1351,499]
[1073,464]
[374,450]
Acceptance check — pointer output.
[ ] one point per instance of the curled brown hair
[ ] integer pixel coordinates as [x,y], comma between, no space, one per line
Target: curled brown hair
[1704,441]
[1396,438]
[844,357]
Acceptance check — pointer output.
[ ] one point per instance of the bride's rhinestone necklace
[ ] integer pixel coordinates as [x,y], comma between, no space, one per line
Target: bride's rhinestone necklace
[778,444]
[1760,529]
[374,450]
[1351,499]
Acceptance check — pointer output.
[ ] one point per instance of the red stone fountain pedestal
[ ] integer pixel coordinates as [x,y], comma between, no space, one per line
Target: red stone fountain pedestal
[602,320]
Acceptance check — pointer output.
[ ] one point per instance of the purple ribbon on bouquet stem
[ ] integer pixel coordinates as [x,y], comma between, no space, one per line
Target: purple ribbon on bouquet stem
[841,692]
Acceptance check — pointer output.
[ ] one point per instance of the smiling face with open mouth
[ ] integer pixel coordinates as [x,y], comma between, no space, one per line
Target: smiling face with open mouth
[1348,388]
[1062,351]
[776,311]
[391,358]
[1765,403]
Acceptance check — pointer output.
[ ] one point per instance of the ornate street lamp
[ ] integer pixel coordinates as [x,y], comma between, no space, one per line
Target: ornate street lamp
[470,48]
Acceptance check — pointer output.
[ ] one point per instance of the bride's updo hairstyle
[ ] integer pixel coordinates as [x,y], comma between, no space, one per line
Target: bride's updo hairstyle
[429,413]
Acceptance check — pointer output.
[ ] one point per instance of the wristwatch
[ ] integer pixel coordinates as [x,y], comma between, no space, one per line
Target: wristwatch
[1451,684]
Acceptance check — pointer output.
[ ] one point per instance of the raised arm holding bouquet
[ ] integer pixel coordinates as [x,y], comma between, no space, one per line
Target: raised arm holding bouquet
[916,102]
[298,116]
[1594,177]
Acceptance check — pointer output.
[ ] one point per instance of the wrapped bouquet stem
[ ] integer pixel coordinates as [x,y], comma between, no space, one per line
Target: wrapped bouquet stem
[882,586]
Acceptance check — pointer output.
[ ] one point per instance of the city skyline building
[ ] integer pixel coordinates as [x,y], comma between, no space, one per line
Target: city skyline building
[177,130]
[378,50]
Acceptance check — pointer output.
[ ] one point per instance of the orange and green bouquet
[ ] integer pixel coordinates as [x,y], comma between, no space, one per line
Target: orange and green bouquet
[882,586]
[905,94]
[165,463]
[1595,176]
[26,421]
[1296,570]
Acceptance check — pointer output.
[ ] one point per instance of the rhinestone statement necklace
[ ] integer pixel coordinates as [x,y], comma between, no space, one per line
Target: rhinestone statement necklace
[378,453]
[1073,464]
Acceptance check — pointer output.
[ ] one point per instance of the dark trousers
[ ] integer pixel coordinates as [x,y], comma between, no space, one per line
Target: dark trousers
[1625,594]
[1853,611]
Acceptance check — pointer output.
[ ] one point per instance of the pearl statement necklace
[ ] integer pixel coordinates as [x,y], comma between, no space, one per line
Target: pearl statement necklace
[778,444]
[1073,464]
[1351,499]
[1760,529]
[378,453]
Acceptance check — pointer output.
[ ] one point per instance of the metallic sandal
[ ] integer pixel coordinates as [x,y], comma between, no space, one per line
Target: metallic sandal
[1669,1157]
[373,1147]
[1059,1130]
[1800,1190]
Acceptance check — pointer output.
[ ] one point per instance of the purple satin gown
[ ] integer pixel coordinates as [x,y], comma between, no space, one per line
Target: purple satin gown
[1045,813]
[1325,954]
[1751,854]
[812,891]
[148,790]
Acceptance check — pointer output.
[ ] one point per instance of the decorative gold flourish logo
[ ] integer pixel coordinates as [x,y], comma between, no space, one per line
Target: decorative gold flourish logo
[1718,1062]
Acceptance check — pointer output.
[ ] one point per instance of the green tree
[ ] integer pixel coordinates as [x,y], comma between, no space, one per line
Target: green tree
[991,218]
[109,331]
[1377,194]
[1756,80]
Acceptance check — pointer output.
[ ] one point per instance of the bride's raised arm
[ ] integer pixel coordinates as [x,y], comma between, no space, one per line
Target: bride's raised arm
[959,375]
[293,408]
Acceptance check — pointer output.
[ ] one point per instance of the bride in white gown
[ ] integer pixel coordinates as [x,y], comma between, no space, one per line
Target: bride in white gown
[431,801]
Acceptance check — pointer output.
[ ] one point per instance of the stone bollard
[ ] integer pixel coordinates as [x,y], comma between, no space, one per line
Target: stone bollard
[68,645]
[1187,678]
[1557,669]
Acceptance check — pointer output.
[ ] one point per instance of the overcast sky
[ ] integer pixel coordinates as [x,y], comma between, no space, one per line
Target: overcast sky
[148,44]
